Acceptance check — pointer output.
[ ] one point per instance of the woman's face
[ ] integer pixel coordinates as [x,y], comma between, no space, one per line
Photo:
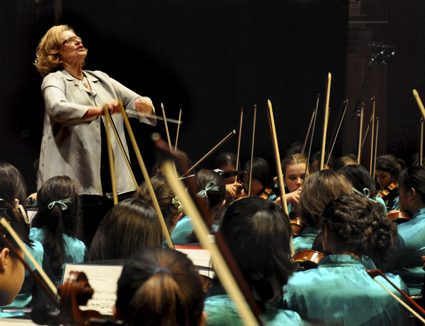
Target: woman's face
[384,178]
[73,50]
[294,176]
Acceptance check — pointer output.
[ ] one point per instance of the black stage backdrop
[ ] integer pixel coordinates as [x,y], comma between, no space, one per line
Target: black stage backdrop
[210,57]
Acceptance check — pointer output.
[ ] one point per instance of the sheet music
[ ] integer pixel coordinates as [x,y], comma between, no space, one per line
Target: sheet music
[200,257]
[103,279]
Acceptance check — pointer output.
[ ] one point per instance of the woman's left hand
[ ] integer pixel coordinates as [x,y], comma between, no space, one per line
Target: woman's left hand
[144,105]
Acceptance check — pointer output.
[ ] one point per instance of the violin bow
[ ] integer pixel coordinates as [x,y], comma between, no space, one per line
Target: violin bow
[359,153]
[252,150]
[325,125]
[278,164]
[232,133]
[377,272]
[376,148]
[110,155]
[276,152]
[335,136]
[372,136]
[178,128]
[225,266]
[146,175]
[312,134]
[50,289]
[166,125]
[239,144]
[308,132]
[114,129]
[421,149]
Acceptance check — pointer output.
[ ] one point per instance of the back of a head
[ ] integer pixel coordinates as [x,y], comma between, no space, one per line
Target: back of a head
[413,177]
[59,207]
[359,226]
[160,286]
[225,159]
[360,179]
[318,190]
[212,188]
[389,163]
[12,184]
[260,171]
[128,227]
[169,204]
[258,233]
[342,161]
[58,213]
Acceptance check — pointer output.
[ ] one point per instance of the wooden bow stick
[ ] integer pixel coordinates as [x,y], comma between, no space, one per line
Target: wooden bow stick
[146,175]
[312,134]
[239,144]
[178,128]
[110,154]
[166,125]
[278,165]
[372,135]
[211,151]
[308,132]
[377,272]
[345,104]
[421,149]
[359,153]
[252,150]
[376,148]
[224,265]
[325,125]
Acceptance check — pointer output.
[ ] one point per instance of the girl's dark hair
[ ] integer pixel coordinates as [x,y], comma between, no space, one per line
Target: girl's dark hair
[389,163]
[164,195]
[214,198]
[318,156]
[360,178]
[342,161]
[22,231]
[160,286]
[225,159]
[129,226]
[318,190]
[257,232]
[413,177]
[260,171]
[12,186]
[56,220]
[359,226]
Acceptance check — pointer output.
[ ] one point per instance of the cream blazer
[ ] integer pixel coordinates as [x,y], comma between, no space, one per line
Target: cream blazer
[72,146]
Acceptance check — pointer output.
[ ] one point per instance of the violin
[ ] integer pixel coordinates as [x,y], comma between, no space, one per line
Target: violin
[307,259]
[297,226]
[398,217]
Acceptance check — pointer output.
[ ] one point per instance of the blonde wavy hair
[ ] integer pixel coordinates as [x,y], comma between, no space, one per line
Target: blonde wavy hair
[48,55]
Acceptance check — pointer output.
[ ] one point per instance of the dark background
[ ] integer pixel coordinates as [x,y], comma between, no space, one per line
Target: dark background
[211,57]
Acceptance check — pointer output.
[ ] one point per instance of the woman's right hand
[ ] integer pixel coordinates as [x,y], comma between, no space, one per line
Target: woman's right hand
[96,111]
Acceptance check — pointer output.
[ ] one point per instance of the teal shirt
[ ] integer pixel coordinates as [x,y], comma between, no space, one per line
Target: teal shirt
[306,239]
[75,250]
[222,312]
[340,292]
[411,247]
[183,228]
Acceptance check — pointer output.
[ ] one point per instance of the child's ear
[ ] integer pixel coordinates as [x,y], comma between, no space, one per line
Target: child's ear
[4,256]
